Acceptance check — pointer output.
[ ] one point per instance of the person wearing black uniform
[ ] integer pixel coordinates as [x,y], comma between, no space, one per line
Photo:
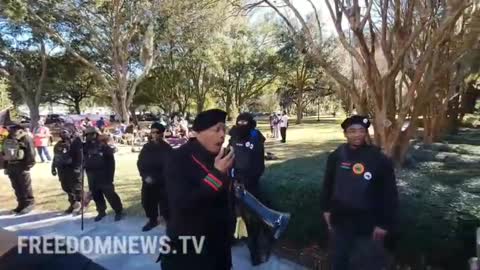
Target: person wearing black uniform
[359,197]
[151,165]
[68,164]
[100,167]
[19,158]
[248,144]
[199,198]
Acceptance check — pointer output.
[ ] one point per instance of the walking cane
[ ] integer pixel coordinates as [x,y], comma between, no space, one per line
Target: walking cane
[83,201]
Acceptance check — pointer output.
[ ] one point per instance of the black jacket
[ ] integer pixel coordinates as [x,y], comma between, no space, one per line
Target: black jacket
[26,144]
[360,185]
[99,160]
[152,160]
[75,152]
[249,157]
[199,201]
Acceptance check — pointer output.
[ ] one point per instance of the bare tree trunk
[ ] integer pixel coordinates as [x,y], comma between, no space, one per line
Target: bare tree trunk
[200,105]
[134,115]
[34,114]
[77,106]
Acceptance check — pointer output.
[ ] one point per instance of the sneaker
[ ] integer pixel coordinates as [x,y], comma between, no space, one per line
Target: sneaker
[77,208]
[118,216]
[99,217]
[150,225]
[25,210]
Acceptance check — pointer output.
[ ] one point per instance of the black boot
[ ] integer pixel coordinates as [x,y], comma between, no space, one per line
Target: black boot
[17,209]
[118,216]
[152,223]
[100,216]
[69,210]
[25,210]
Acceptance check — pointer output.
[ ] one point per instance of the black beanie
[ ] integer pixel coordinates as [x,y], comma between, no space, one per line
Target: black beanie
[157,125]
[356,119]
[208,119]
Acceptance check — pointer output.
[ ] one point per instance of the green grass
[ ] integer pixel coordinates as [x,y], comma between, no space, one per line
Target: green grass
[303,140]
[439,202]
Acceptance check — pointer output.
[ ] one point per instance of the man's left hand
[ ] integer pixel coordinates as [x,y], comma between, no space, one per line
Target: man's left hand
[379,234]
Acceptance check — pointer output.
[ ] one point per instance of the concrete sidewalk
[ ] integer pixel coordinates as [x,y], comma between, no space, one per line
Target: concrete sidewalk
[54,223]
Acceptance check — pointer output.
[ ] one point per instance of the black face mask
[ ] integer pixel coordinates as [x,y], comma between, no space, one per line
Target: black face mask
[242,131]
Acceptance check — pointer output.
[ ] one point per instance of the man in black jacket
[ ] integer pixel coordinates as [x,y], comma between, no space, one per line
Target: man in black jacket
[199,198]
[359,196]
[151,165]
[68,164]
[248,144]
[100,167]
[19,158]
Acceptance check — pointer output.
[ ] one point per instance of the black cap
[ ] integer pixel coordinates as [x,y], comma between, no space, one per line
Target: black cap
[208,119]
[157,125]
[356,119]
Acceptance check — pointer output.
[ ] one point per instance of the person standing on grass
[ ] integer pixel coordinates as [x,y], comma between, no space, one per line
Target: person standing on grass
[359,198]
[283,126]
[68,164]
[199,198]
[41,138]
[151,165]
[18,154]
[99,162]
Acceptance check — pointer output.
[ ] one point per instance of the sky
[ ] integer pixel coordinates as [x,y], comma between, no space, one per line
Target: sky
[305,8]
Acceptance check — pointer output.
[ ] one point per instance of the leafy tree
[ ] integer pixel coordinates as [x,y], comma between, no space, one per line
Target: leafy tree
[23,62]
[4,97]
[70,82]
[248,65]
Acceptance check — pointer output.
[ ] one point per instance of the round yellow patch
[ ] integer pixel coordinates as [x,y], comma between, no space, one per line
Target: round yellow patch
[358,168]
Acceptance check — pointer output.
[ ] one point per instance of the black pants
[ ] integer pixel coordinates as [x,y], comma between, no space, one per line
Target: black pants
[154,200]
[71,182]
[283,133]
[102,188]
[22,185]
[351,250]
[259,240]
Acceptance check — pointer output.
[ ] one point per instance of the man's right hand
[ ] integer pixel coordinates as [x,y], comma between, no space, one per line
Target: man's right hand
[326,215]
[224,163]
[54,172]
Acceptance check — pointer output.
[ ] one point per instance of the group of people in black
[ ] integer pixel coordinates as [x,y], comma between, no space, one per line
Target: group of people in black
[192,188]
[74,156]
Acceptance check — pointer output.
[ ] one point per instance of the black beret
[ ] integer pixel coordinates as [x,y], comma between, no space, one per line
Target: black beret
[157,125]
[356,119]
[208,119]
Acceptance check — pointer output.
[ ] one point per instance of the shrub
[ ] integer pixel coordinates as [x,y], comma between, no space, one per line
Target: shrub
[438,215]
